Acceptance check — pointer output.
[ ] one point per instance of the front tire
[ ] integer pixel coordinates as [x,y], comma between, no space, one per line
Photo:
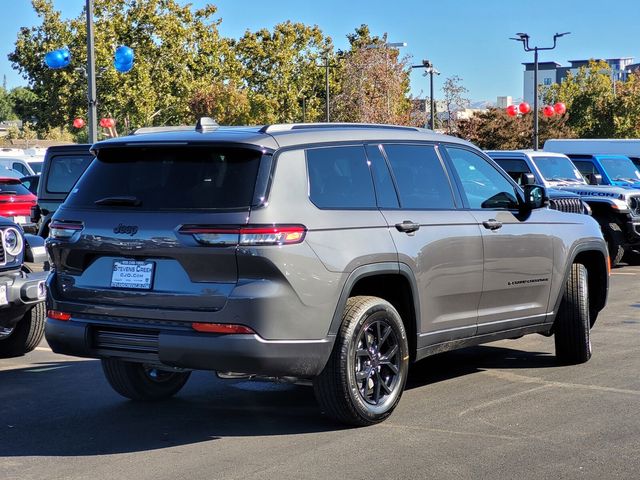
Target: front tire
[142,382]
[26,335]
[572,325]
[365,376]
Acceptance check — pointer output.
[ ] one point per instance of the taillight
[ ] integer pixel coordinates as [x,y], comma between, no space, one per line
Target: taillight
[63,230]
[247,236]
[227,328]
[56,315]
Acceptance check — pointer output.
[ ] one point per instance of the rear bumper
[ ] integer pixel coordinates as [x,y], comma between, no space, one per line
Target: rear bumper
[188,349]
[23,291]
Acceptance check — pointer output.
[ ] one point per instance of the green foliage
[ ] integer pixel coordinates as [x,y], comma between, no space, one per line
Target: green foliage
[6,105]
[25,103]
[598,108]
[175,47]
[495,130]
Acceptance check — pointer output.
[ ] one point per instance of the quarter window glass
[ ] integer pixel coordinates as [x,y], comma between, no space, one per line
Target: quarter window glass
[482,184]
[339,177]
[421,179]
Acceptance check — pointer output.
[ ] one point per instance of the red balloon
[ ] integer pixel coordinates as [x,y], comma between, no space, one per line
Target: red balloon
[107,122]
[78,122]
[548,111]
[560,108]
[524,108]
[512,110]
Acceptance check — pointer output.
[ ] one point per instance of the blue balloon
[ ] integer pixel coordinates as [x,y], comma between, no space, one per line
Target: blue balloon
[124,55]
[122,67]
[56,59]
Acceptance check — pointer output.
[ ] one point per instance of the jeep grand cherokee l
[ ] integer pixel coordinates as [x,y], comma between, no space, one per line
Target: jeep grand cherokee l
[334,253]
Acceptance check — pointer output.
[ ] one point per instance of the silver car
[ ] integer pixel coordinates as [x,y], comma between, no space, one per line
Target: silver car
[330,253]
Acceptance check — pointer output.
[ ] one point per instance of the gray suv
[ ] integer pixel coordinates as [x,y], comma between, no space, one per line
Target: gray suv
[331,253]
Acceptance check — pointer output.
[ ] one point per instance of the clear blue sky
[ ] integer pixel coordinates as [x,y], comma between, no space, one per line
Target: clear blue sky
[468,38]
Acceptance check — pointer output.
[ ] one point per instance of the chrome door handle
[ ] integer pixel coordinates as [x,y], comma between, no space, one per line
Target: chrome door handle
[407,226]
[492,224]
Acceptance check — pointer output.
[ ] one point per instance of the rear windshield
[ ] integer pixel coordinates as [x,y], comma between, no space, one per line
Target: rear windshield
[65,171]
[169,178]
[13,189]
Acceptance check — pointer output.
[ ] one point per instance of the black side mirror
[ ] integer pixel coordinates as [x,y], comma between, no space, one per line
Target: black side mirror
[535,196]
[528,178]
[594,179]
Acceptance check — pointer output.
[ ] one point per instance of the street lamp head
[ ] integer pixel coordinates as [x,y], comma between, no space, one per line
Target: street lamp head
[427,64]
[522,35]
[558,35]
[396,44]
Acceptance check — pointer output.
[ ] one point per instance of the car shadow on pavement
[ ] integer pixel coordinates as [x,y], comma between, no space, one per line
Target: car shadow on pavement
[458,363]
[68,409]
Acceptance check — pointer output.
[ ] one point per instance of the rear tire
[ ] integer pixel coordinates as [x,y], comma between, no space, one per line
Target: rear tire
[615,239]
[142,382]
[26,335]
[572,325]
[365,376]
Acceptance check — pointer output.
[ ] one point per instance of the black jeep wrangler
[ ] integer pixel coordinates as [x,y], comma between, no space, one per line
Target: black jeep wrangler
[22,292]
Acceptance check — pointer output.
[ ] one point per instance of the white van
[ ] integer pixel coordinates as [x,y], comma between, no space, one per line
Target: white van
[629,147]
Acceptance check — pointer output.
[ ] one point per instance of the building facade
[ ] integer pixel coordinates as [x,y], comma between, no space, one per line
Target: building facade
[553,72]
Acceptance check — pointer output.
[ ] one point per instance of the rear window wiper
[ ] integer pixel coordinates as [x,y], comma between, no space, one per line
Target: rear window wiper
[124,200]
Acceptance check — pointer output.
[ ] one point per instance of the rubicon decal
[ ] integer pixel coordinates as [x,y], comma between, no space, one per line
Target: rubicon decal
[527,282]
[126,229]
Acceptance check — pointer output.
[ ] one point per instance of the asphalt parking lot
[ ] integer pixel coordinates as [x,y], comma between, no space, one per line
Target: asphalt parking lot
[503,410]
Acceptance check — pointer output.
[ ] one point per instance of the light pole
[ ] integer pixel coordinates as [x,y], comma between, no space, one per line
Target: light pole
[430,70]
[91,78]
[524,38]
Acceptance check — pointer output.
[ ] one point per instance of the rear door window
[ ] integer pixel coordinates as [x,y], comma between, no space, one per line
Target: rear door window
[339,177]
[64,172]
[420,176]
[169,178]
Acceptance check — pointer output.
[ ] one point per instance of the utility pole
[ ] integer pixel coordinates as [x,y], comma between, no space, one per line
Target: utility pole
[91,77]
[524,38]
[327,66]
[430,70]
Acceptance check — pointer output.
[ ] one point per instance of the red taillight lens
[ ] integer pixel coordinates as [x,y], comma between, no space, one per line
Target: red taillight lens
[221,328]
[63,230]
[249,235]
[62,316]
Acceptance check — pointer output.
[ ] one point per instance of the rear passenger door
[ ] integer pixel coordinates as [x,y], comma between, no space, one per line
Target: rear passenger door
[440,243]
[518,252]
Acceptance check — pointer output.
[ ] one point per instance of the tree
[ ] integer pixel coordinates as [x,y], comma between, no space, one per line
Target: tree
[6,105]
[280,68]
[495,130]
[590,100]
[25,104]
[373,82]
[454,100]
[177,48]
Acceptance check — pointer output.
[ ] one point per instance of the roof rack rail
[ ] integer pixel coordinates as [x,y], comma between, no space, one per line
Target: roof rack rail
[285,127]
[166,128]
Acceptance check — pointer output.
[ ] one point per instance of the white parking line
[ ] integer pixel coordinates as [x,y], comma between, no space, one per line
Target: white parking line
[623,273]
[44,349]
